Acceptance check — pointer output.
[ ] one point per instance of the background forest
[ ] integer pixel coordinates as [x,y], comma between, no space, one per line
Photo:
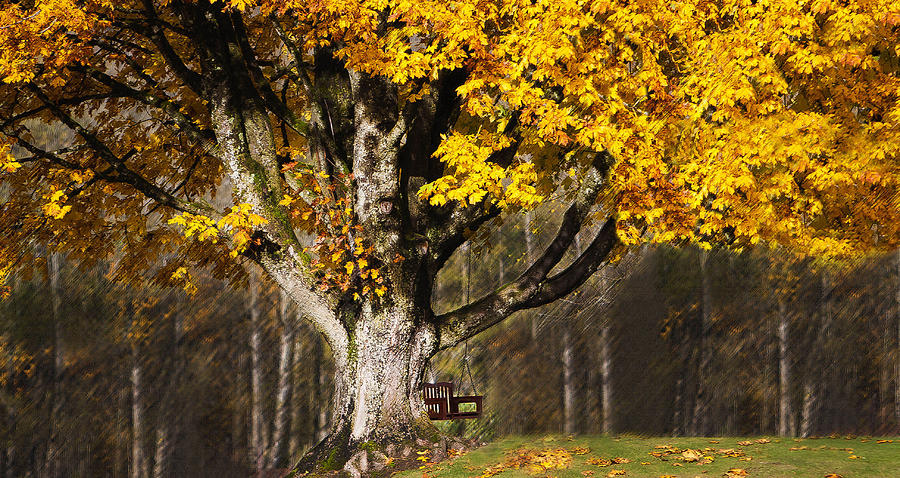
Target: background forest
[101,376]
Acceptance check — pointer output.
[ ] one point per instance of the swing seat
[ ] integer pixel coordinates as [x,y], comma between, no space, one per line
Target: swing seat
[442,405]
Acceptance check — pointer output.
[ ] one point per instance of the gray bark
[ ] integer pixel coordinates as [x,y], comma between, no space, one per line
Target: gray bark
[785,404]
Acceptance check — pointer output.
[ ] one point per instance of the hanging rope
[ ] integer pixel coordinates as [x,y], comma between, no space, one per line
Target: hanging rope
[468,282]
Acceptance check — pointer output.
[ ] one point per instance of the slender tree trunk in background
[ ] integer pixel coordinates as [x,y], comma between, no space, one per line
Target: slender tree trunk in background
[239,433]
[319,403]
[678,414]
[169,427]
[817,369]
[257,433]
[120,453]
[885,391]
[138,460]
[606,378]
[810,397]
[54,446]
[826,357]
[282,427]
[297,410]
[785,404]
[701,405]
[897,350]
[568,359]
[529,255]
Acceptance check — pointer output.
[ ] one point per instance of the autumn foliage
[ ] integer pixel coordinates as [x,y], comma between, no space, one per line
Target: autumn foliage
[735,121]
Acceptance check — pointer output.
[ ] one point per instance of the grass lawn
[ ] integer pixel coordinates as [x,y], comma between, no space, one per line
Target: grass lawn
[631,456]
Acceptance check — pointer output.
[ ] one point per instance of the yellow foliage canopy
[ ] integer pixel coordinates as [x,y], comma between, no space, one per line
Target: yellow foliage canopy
[732,121]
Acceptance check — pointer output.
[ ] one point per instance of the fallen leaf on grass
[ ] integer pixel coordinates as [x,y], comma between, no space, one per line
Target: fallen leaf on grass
[853,457]
[691,455]
[730,452]
[619,460]
[745,443]
[884,441]
[587,473]
[714,441]
[599,461]
[615,473]
[736,472]
[580,450]
[537,461]
[833,475]
[763,441]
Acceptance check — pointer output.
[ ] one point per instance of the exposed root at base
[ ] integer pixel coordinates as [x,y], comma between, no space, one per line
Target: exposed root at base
[335,456]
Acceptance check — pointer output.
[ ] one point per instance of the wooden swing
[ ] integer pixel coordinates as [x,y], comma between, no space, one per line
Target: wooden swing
[440,402]
[442,405]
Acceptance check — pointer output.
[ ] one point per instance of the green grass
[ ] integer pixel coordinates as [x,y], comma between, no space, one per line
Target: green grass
[814,457]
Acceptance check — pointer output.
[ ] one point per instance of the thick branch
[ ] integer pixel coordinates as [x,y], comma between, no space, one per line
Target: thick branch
[533,287]
[263,85]
[188,76]
[123,173]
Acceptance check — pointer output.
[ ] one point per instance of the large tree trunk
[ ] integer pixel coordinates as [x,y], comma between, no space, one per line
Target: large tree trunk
[380,345]
[378,379]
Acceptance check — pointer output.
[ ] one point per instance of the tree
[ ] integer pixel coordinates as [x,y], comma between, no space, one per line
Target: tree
[365,141]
